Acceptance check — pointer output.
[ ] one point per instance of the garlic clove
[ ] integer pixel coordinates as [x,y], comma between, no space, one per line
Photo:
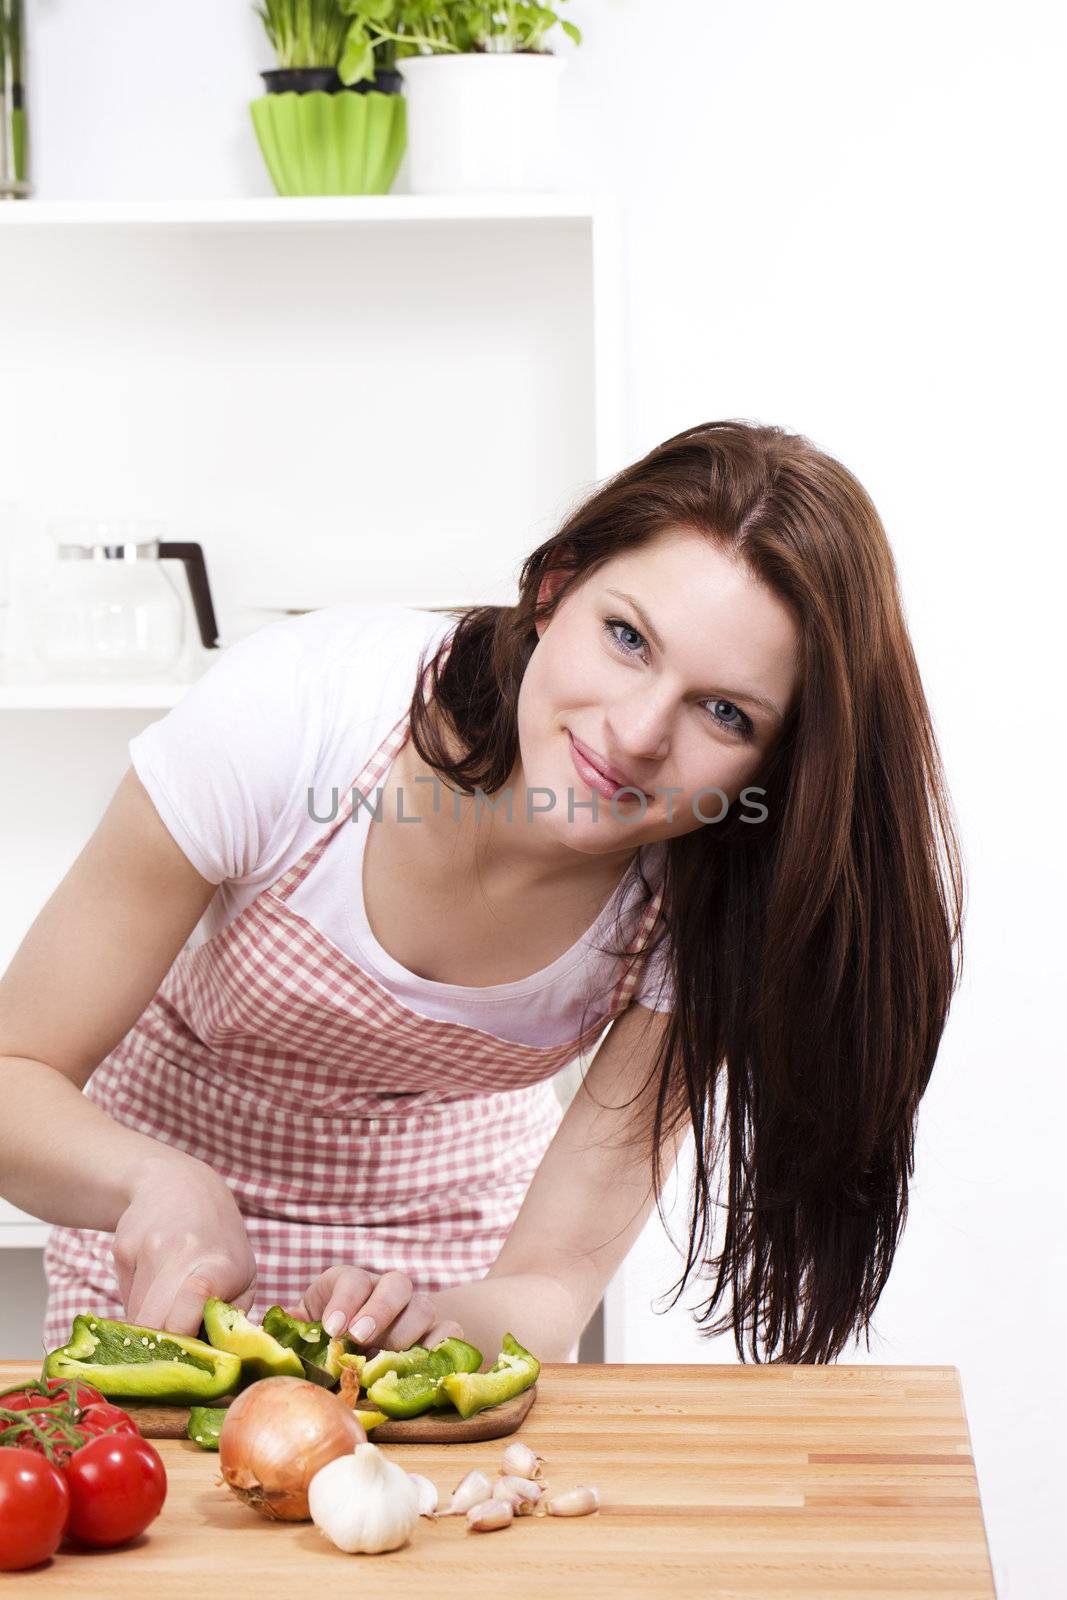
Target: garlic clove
[520,1461]
[489,1514]
[468,1492]
[574,1502]
[427,1493]
[522,1492]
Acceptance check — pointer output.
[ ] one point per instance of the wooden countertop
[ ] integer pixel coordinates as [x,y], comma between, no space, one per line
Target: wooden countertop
[797,1483]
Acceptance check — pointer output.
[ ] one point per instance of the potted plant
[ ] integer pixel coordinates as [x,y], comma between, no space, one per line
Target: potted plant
[480,83]
[323,127]
[14,179]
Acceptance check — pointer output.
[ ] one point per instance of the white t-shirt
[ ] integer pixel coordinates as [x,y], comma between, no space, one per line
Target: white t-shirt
[302,704]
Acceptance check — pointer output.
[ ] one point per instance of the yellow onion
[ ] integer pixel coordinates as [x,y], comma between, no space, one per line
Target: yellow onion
[276,1436]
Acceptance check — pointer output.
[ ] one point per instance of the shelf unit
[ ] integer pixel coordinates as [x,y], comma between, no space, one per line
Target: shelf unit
[385,397]
[20,1232]
[272,211]
[119,694]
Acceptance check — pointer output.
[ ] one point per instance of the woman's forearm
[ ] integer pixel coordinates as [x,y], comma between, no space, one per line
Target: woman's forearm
[62,1158]
[541,1312]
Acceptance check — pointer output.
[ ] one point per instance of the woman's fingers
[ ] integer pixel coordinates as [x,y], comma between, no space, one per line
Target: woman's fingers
[151,1291]
[383,1314]
[246,1300]
[187,1308]
[367,1315]
[412,1326]
[335,1297]
[442,1330]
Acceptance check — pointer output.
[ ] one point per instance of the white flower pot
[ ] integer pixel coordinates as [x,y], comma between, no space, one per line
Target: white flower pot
[481,122]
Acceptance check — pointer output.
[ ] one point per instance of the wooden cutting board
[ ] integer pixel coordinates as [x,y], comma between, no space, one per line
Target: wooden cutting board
[172,1422]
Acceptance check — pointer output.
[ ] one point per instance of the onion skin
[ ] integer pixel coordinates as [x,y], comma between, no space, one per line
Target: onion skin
[277,1434]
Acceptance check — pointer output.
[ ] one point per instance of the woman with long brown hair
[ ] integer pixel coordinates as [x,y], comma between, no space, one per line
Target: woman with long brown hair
[699,740]
[811,949]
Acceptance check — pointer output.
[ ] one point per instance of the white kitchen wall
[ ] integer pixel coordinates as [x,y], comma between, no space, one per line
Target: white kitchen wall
[845,219]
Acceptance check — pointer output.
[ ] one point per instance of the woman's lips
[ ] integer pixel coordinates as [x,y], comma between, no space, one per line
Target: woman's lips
[594,778]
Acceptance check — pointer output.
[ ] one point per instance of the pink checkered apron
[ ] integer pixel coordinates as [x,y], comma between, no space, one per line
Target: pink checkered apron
[348,1127]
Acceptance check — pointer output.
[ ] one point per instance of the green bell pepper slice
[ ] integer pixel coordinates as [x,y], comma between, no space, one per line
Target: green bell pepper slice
[128,1362]
[326,1369]
[514,1370]
[409,1396]
[320,1355]
[205,1425]
[262,1356]
[306,1338]
[451,1355]
[369,1419]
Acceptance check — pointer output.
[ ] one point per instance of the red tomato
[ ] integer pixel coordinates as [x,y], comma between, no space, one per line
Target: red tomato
[117,1487]
[62,1391]
[64,1429]
[96,1419]
[34,1506]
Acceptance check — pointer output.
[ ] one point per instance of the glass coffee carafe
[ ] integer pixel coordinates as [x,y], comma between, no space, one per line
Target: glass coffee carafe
[109,607]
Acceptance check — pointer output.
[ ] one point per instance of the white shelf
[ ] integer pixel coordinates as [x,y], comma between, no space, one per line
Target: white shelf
[278,211]
[20,1232]
[120,695]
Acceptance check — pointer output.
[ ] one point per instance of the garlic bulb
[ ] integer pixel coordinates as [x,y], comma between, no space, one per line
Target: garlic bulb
[363,1502]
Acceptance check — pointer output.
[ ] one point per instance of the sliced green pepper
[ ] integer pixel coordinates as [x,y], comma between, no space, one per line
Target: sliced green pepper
[261,1354]
[128,1362]
[401,1362]
[451,1355]
[306,1338]
[370,1419]
[321,1356]
[205,1425]
[514,1370]
[454,1355]
[326,1370]
[409,1396]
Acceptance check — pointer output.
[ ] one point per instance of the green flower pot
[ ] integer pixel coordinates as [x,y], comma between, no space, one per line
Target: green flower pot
[321,143]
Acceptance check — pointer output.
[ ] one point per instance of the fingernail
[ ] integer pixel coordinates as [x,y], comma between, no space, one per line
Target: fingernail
[334,1323]
[362,1330]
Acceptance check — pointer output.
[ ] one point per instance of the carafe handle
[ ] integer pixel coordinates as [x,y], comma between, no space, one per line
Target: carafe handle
[192,556]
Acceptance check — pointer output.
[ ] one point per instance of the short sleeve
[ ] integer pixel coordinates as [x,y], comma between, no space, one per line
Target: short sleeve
[655,987]
[227,767]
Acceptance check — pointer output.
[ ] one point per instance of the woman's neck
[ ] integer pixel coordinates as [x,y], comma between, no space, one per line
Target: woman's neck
[509,854]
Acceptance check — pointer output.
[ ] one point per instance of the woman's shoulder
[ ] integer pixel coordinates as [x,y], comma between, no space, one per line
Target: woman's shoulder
[296,703]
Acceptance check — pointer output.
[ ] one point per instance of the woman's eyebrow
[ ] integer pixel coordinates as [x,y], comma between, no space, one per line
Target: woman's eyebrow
[741,696]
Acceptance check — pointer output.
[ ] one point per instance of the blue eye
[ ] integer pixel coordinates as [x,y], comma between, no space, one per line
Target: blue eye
[741,728]
[613,623]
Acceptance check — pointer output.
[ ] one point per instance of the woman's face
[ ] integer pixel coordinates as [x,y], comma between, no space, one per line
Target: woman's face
[680,688]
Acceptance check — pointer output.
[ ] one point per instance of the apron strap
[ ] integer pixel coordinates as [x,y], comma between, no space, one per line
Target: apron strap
[376,767]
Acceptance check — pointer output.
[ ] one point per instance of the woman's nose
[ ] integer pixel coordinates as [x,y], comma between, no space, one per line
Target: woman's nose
[640,728]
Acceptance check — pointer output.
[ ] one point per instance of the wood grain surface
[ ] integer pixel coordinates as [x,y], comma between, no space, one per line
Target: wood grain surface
[172,1422]
[788,1483]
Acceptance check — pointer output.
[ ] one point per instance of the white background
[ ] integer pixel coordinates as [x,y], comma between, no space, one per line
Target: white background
[844,219]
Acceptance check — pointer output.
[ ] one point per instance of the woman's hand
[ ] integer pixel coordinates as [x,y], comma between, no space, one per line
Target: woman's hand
[179,1241]
[385,1313]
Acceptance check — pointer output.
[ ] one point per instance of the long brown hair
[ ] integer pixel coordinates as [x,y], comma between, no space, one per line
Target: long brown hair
[814,957]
